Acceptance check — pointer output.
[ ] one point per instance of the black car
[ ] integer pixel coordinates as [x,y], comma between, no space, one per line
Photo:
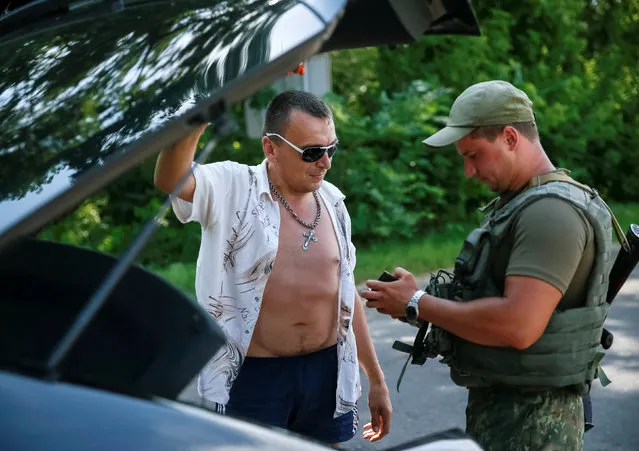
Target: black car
[89,89]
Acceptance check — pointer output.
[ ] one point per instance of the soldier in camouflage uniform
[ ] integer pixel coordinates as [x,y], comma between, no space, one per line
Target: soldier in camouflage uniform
[519,321]
[548,420]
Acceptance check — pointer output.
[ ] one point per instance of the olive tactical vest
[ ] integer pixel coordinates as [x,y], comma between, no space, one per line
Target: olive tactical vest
[568,352]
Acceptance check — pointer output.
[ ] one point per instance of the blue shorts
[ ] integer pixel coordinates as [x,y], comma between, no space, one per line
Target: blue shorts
[294,393]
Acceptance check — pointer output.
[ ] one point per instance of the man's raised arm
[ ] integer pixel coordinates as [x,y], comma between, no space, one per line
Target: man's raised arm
[174,162]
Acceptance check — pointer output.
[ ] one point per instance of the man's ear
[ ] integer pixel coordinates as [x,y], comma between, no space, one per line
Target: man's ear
[511,137]
[268,147]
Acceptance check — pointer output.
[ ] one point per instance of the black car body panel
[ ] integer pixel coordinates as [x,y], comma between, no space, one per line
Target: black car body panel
[396,22]
[63,417]
[134,344]
[69,417]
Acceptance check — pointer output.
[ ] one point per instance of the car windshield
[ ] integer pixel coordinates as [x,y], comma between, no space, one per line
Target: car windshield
[82,87]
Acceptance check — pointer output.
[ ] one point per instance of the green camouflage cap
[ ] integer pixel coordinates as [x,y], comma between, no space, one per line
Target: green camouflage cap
[488,103]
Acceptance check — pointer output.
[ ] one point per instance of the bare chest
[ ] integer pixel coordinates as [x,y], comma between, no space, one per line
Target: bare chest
[300,245]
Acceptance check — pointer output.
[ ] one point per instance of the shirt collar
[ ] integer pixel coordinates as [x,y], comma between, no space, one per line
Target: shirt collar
[327,189]
[262,180]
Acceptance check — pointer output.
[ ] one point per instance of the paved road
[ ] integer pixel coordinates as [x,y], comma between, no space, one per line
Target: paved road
[429,402]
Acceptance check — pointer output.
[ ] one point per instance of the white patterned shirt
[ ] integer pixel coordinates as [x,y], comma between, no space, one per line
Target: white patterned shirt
[240,222]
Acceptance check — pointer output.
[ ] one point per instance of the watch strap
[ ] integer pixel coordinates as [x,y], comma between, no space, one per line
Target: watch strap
[416,297]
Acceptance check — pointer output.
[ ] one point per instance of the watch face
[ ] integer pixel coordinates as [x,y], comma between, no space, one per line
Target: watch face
[411,313]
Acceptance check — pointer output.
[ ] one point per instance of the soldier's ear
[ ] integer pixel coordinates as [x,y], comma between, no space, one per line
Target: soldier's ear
[511,137]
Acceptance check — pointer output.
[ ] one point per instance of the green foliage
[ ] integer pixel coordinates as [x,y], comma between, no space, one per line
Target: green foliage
[626,214]
[577,62]
[182,275]
[395,187]
[420,254]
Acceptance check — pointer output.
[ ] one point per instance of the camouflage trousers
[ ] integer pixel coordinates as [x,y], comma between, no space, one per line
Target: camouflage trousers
[506,420]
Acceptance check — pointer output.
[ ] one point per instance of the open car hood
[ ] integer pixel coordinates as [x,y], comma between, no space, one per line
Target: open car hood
[91,89]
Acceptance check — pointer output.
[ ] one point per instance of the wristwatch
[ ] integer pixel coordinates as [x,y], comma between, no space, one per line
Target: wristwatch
[412,309]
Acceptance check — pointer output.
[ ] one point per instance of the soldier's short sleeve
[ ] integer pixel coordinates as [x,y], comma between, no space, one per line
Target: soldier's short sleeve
[550,236]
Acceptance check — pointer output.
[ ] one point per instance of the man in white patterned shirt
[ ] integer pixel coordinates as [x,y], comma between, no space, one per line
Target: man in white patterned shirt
[275,269]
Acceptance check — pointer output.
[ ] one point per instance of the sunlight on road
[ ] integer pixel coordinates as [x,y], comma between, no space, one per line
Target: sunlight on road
[624,380]
[631,287]
[620,363]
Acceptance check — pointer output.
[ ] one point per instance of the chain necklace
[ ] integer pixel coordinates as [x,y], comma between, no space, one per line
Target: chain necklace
[310,235]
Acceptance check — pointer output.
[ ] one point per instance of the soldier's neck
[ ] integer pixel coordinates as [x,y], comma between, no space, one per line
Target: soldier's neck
[539,165]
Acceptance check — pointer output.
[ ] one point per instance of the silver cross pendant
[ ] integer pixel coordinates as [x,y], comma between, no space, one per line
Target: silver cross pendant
[310,236]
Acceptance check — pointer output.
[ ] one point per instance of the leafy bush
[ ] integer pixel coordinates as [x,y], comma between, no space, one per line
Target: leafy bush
[395,186]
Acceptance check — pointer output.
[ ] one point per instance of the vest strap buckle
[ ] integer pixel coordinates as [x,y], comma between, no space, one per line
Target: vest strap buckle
[417,352]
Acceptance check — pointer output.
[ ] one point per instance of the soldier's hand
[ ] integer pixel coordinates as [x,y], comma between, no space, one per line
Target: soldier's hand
[391,298]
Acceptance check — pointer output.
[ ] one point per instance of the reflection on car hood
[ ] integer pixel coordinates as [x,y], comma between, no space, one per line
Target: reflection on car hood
[78,95]
[89,93]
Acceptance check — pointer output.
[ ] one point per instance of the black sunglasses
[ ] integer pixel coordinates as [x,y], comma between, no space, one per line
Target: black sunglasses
[311,153]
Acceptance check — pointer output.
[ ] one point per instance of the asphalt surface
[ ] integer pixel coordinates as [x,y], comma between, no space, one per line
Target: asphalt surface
[428,402]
